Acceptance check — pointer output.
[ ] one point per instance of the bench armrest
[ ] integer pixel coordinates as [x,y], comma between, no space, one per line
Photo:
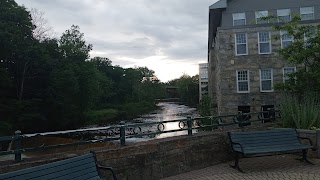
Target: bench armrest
[232,143]
[306,138]
[108,168]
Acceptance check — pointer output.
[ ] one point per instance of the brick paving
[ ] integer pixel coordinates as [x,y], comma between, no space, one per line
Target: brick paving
[258,168]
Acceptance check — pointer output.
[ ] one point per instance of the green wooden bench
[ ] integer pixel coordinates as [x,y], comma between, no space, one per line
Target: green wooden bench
[81,167]
[268,142]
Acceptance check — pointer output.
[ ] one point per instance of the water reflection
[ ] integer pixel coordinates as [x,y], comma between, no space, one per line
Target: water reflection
[169,111]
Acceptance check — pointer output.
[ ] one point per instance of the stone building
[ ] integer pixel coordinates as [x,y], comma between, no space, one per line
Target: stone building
[203,80]
[243,61]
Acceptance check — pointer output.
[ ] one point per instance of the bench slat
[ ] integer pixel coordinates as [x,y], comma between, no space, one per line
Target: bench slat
[81,167]
[276,140]
[45,166]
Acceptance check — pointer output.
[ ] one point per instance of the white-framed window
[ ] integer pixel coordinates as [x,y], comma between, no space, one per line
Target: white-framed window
[286,39]
[243,81]
[266,80]
[307,13]
[241,47]
[264,42]
[239,19]
[261,14]
[286,72]
[283,15]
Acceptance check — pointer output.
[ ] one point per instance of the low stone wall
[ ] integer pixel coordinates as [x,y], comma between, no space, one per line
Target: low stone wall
[155,159]
[152,159]
[166,157]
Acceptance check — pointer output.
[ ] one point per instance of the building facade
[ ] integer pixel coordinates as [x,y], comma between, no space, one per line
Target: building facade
[203,80]
[243,61]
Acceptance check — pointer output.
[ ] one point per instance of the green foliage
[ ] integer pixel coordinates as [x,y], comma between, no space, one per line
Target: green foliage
[188,89]
[101,117]
[54,84]
[205,106]
[300,111]
[303,53]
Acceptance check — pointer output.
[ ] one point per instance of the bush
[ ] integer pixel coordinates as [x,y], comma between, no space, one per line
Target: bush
[300,112]
[102,116]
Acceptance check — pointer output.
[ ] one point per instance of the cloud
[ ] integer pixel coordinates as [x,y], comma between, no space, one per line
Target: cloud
[135,32]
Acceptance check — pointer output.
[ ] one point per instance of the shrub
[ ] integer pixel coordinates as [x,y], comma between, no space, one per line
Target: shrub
[300,112]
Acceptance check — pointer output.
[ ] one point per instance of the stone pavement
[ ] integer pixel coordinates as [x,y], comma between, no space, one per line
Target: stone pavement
[260,168]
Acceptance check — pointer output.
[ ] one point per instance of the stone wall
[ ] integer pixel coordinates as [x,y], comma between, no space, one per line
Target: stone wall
[152,159]
[166,157]
[227,63]
[156,159]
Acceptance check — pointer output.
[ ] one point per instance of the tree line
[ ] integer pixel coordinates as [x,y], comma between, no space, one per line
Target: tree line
[52,83]
[49,84]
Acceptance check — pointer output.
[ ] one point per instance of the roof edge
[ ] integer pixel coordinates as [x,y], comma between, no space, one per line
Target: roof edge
[219,4]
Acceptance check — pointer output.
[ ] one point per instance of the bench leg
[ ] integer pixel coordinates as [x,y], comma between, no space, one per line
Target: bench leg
[236,163]
[304,156]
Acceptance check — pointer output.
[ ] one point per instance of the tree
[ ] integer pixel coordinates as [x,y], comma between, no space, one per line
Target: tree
[17,43]
[304,52]
[73,45]
[42,30]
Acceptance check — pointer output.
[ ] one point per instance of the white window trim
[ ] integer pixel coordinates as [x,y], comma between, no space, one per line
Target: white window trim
[258,15]
[263,42]
[281,33]
[233,18]
[301,13]
[283,75]
[236,47]
[243,81]
[271,80]
[289,14]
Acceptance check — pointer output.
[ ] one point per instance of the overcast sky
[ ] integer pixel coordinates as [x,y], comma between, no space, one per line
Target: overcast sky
[167,36]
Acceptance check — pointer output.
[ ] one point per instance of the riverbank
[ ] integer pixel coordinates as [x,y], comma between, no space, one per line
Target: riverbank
[117,113]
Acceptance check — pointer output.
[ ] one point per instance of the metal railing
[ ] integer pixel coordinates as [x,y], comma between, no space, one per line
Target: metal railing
[124,131]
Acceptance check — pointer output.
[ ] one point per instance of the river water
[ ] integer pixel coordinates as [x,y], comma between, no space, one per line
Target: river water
[168,111]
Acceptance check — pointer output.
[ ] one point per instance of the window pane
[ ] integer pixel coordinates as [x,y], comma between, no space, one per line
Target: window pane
[243,86]
[283,12]
[284,18]
[241,38]
[307,16]
[286,44]
[306,10]
[264,48]
[265,74]
[266,85]
[241,49]
[264,37]
[259,15]
[239,22]
[242,75]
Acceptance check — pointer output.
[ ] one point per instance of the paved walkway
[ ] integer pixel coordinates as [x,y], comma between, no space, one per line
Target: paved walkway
[258,168]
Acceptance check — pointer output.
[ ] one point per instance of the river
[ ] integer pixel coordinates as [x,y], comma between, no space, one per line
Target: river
[167,111]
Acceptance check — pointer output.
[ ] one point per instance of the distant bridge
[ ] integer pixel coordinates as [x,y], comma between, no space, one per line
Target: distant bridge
[168,100]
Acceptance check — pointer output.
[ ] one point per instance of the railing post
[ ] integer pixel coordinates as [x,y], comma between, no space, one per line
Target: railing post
[17,139]
[189,123]
[318,142]
[122,134]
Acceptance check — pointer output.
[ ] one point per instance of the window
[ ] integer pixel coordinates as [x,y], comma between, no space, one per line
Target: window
[307,13]
[239,19]
[286,72]
[242,81]
[244,118]
[241,44]
[259,15]
[266,80]
[286,39]
[267,114]
[283,15]
[264,42]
